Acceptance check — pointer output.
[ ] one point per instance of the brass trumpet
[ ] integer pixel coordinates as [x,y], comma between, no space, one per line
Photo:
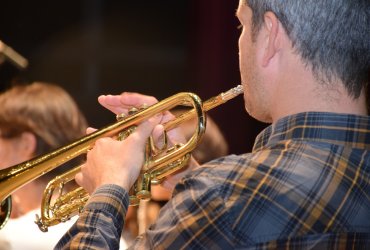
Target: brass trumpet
[159,163]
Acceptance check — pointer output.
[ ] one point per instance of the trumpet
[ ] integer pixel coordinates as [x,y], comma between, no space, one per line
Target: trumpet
[158,163]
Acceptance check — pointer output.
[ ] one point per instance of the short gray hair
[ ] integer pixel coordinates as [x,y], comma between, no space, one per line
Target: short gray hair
[332,36]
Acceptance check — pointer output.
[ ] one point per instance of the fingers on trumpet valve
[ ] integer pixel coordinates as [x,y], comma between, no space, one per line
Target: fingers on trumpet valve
[130,111]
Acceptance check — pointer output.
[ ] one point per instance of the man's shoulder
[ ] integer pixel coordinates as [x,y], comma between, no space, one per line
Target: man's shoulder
[221,167]
[215,178]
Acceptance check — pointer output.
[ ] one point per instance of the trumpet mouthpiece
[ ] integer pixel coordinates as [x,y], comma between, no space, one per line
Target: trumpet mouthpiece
[230,94]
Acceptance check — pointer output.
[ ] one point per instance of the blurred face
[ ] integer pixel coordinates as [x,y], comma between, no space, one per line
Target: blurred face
[255,94]
[10,153]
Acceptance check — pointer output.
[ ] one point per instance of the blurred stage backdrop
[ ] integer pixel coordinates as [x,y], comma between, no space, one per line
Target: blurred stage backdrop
[94,47]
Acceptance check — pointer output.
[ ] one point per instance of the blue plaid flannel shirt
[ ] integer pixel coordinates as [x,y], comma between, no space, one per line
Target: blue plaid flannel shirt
[305,185]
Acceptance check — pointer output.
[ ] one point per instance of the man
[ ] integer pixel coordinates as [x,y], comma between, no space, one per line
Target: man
[304,68]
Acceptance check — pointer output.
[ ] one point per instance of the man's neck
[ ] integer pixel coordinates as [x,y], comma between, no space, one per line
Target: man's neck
[301,92]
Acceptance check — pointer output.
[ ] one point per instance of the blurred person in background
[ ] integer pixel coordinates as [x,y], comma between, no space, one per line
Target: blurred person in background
[35,119]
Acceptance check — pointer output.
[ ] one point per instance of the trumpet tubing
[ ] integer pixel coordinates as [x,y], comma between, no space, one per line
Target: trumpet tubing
[159,163]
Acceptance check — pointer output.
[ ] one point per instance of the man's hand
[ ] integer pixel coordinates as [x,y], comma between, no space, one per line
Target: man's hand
[119,104]
[116,162]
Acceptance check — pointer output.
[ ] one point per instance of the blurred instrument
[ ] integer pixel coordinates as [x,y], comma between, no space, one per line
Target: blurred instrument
[159,163]
[7,53]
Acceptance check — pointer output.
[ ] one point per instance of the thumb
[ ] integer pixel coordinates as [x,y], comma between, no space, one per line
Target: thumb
[79,178]
[90,130]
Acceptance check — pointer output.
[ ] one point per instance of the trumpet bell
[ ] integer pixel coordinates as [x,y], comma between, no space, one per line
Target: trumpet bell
[5,210]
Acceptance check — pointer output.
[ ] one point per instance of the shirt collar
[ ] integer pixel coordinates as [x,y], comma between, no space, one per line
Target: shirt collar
[352,130]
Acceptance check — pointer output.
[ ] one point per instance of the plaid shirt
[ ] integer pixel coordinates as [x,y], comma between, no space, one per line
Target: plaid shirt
[304,186]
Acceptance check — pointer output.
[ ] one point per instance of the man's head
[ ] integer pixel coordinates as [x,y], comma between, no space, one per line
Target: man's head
[332,37]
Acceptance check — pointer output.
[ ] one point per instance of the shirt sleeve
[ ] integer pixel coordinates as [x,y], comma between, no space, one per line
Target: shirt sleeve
[196,217]
[100,224]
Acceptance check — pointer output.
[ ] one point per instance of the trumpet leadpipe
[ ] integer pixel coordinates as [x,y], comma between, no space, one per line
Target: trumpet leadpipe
[207,105]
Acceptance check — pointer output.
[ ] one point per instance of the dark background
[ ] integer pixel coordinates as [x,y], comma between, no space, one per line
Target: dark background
[93,47]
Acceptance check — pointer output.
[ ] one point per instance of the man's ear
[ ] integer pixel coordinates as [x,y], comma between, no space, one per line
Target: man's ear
[28,144]
[272,39]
